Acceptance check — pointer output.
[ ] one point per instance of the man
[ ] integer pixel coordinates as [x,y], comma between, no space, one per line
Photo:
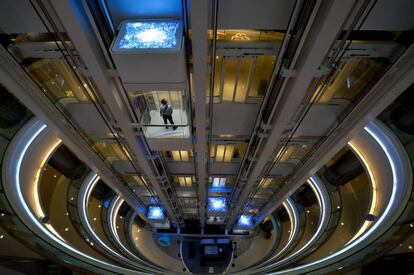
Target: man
[166,113]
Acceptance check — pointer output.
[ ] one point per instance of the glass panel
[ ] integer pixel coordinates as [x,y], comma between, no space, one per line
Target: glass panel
[228,156]
[184,155]
[57,79]
[212,150]
[261,77]
[286,154]
[217,77]
[266,183]
[241,91]
[220,152]
[158,110]
[188,181]
[229,78]
[109,150]
[219,182]
[239,150]
[353,79]
[181,181]
[176,155]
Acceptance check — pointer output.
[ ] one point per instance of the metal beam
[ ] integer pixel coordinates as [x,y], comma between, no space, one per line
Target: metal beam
[327,23]
[199,26]
[81,32]
[398,78]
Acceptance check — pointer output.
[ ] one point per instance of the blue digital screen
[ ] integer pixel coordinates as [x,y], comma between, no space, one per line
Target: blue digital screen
[155,213]
[149,35]
[245,221]
[217,204]
[106,203]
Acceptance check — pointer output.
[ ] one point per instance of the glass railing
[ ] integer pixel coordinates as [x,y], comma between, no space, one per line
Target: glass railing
[353,79]
[158,120]
[58,80]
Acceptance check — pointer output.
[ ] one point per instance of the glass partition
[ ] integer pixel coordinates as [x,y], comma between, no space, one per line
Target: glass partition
[241,79]
[227,152]
[162,114]
[56,78]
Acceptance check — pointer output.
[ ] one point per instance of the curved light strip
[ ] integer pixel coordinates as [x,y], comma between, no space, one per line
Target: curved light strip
[113,212]
[294,225]
[38,206]
[323,220]
[36,222]
[84,199]
[293,216]
[374,188]
[85,193]
[182,258]
[371,129]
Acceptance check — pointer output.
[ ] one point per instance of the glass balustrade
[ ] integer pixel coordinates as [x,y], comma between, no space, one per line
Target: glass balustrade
[159,121]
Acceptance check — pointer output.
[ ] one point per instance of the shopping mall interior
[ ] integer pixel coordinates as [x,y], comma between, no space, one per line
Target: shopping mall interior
[206,137]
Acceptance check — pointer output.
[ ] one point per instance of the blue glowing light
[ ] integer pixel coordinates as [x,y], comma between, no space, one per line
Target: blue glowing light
[217,204]
[106,203]
[149,35]
[219,182]
[155,213]
[245,221]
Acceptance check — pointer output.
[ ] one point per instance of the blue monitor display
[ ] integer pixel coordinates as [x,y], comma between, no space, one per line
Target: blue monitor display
[155,213]
[217,204]
[211,250]
[149,35]
[106,203]
[245,221]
